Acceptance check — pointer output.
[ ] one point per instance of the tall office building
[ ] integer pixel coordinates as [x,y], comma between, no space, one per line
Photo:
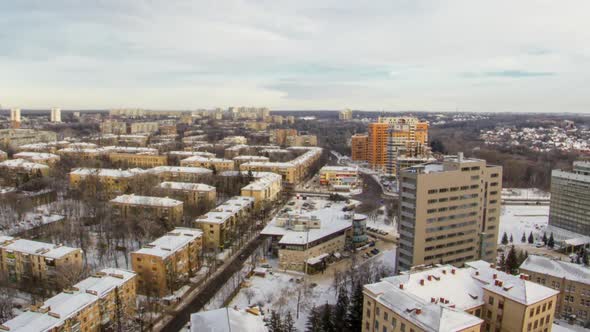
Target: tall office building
[570,199]
[15,118]
[55,115]
[449,212]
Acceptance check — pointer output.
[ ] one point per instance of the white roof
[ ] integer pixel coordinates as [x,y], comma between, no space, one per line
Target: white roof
[186,186]
[191,153]
[105,281]
[339,169]
[30,247]
[251,158]
[557,268]
[263,181]
[36,155]
[22,163]
[171,242]
[226,210]
[146,200]
[226,320]
[202,159]
[106,172]
[177,169]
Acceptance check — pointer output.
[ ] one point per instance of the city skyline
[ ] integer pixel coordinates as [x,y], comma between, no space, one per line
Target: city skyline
[427,56]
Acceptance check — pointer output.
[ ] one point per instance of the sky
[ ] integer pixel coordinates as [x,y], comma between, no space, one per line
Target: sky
[396,55]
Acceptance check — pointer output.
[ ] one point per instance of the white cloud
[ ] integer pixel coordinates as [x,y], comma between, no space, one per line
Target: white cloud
[384,54]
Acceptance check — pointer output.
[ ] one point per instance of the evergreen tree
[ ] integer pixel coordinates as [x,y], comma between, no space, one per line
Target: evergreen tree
[275,324]
[327,323]
[521,257]
[585,259]
[341,309]
[511,239]
[313,321]
[512,261]
[505,239]
[551,242]
[523,238]
[545,237]
[289,323]
[531,238]
[502,261]
[354,319]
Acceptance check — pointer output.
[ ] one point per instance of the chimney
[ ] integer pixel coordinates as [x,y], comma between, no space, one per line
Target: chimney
[446,301]
[444,271]
[401,286]
[460,156]
[495,276]
[429,278]
[500,283]
[432,300]
[418,311]
[476,273]
[421,282]
[453,271]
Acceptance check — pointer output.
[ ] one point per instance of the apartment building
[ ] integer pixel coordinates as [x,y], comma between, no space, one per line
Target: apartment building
[377,144]
[570,198]
[571,280]
[293,171]
[3,155]
[113,127]
[302,242]
[95,304]
[143,127]
[359,147]
[217,164]
[449,212]
[132,206]
[18,137]
[142,160]
[48,159]
[19,171]
[113,182]
[239,160]
[302,140]
[339,177]
[279,136]
[176,156]
[189,193]
[265,188]
[180,174]
[221,225]
[167,263]
[445,298]
[26,261]
[345,115]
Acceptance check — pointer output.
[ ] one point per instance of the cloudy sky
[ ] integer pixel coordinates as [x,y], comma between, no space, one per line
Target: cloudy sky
[469,55]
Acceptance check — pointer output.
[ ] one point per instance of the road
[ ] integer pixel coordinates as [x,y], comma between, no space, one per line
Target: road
[181,316]
[371,196]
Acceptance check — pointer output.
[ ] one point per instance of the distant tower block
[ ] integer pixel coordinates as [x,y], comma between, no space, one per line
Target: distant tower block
[15,117]
[55,115]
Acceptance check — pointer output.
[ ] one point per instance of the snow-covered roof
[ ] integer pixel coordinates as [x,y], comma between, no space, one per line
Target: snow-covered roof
[131,149]
[179,169]
[557,268]
[226,210]
[251,158]
[48,250]
[191,153]
[339,169]
[146,200]
[226,320]
[202,159]
[33,156]
[55,311]
[22,163]
[428,316]
[263,181]
[171,242]
[186,186]
[107,172]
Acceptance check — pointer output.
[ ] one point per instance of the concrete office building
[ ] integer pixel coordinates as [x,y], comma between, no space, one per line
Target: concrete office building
[449,212]
[570,199]
[55,115]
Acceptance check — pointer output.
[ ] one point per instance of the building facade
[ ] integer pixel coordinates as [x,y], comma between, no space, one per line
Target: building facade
[449,212]
[359,147]
[190,193]
[167,210]
[570,199]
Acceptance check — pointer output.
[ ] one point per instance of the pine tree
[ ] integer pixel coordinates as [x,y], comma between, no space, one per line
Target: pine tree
[511,239]
[585,258]
[275,324]
[512,261]
[289,323]
[502,261]
[531,238]
[341,309]
[354,319]
[505,239]
[327,323]
[551,242]
[545,237]
[523,238]
[313,321]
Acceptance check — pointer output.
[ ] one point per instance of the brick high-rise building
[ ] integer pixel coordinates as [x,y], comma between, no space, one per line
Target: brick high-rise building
[449,212]
[377,144]
[359,147]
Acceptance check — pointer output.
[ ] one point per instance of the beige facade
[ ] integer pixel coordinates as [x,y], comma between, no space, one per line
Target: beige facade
[302,140]
[221,225]
[143,127]
[449,212]
[112,181]
[25,261]
[48,159]
[217,164]
[265,188]
[158,208]
[18,171]
[137,160]
[167,263]
[444,298]
[189,193]
[180,174]
[18,137]
[572,281]
[293,171]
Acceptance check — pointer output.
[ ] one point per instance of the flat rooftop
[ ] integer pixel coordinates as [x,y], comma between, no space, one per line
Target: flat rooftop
[171,242]
[146,201]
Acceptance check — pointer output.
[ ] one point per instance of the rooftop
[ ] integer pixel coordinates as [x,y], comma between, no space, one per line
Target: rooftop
[186,186]
[146,200]
[557,268]
[47,250]
[22,163]
[227,320]
[171,242]
[106,172]
[179,169]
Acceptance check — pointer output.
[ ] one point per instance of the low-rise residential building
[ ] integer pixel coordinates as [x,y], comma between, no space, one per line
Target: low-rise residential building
[167,263]
[18,171]
[18,137]
[26,261]
[113,181]
[50,147]
[302,140]
[189,193]
[228,320]
[143,127]
[265,188]
[176,156]
[3,155]
[303,241]
[133,206]
[180,174]
[126,156]
[221,225]
[571,280]
[217,164]
[339,177]
[239,160]
[234,140]
[38,157]
[294,171]
[97,303]
[445,298]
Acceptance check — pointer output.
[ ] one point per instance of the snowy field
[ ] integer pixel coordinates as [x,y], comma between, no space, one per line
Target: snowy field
[518,219]
[524,193]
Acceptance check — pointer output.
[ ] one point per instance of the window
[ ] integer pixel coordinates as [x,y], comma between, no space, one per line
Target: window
[385,316]
[491,301]
[377,325]
[377,311]
[402,327]
[393,322]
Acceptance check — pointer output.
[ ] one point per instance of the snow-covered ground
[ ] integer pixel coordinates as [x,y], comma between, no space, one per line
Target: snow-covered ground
[518,219]
[378,219]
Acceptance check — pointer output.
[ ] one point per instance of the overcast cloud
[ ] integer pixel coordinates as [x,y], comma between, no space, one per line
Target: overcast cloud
[470,55]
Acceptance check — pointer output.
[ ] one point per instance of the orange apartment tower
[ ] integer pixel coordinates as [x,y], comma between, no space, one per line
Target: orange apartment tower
[377,144]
